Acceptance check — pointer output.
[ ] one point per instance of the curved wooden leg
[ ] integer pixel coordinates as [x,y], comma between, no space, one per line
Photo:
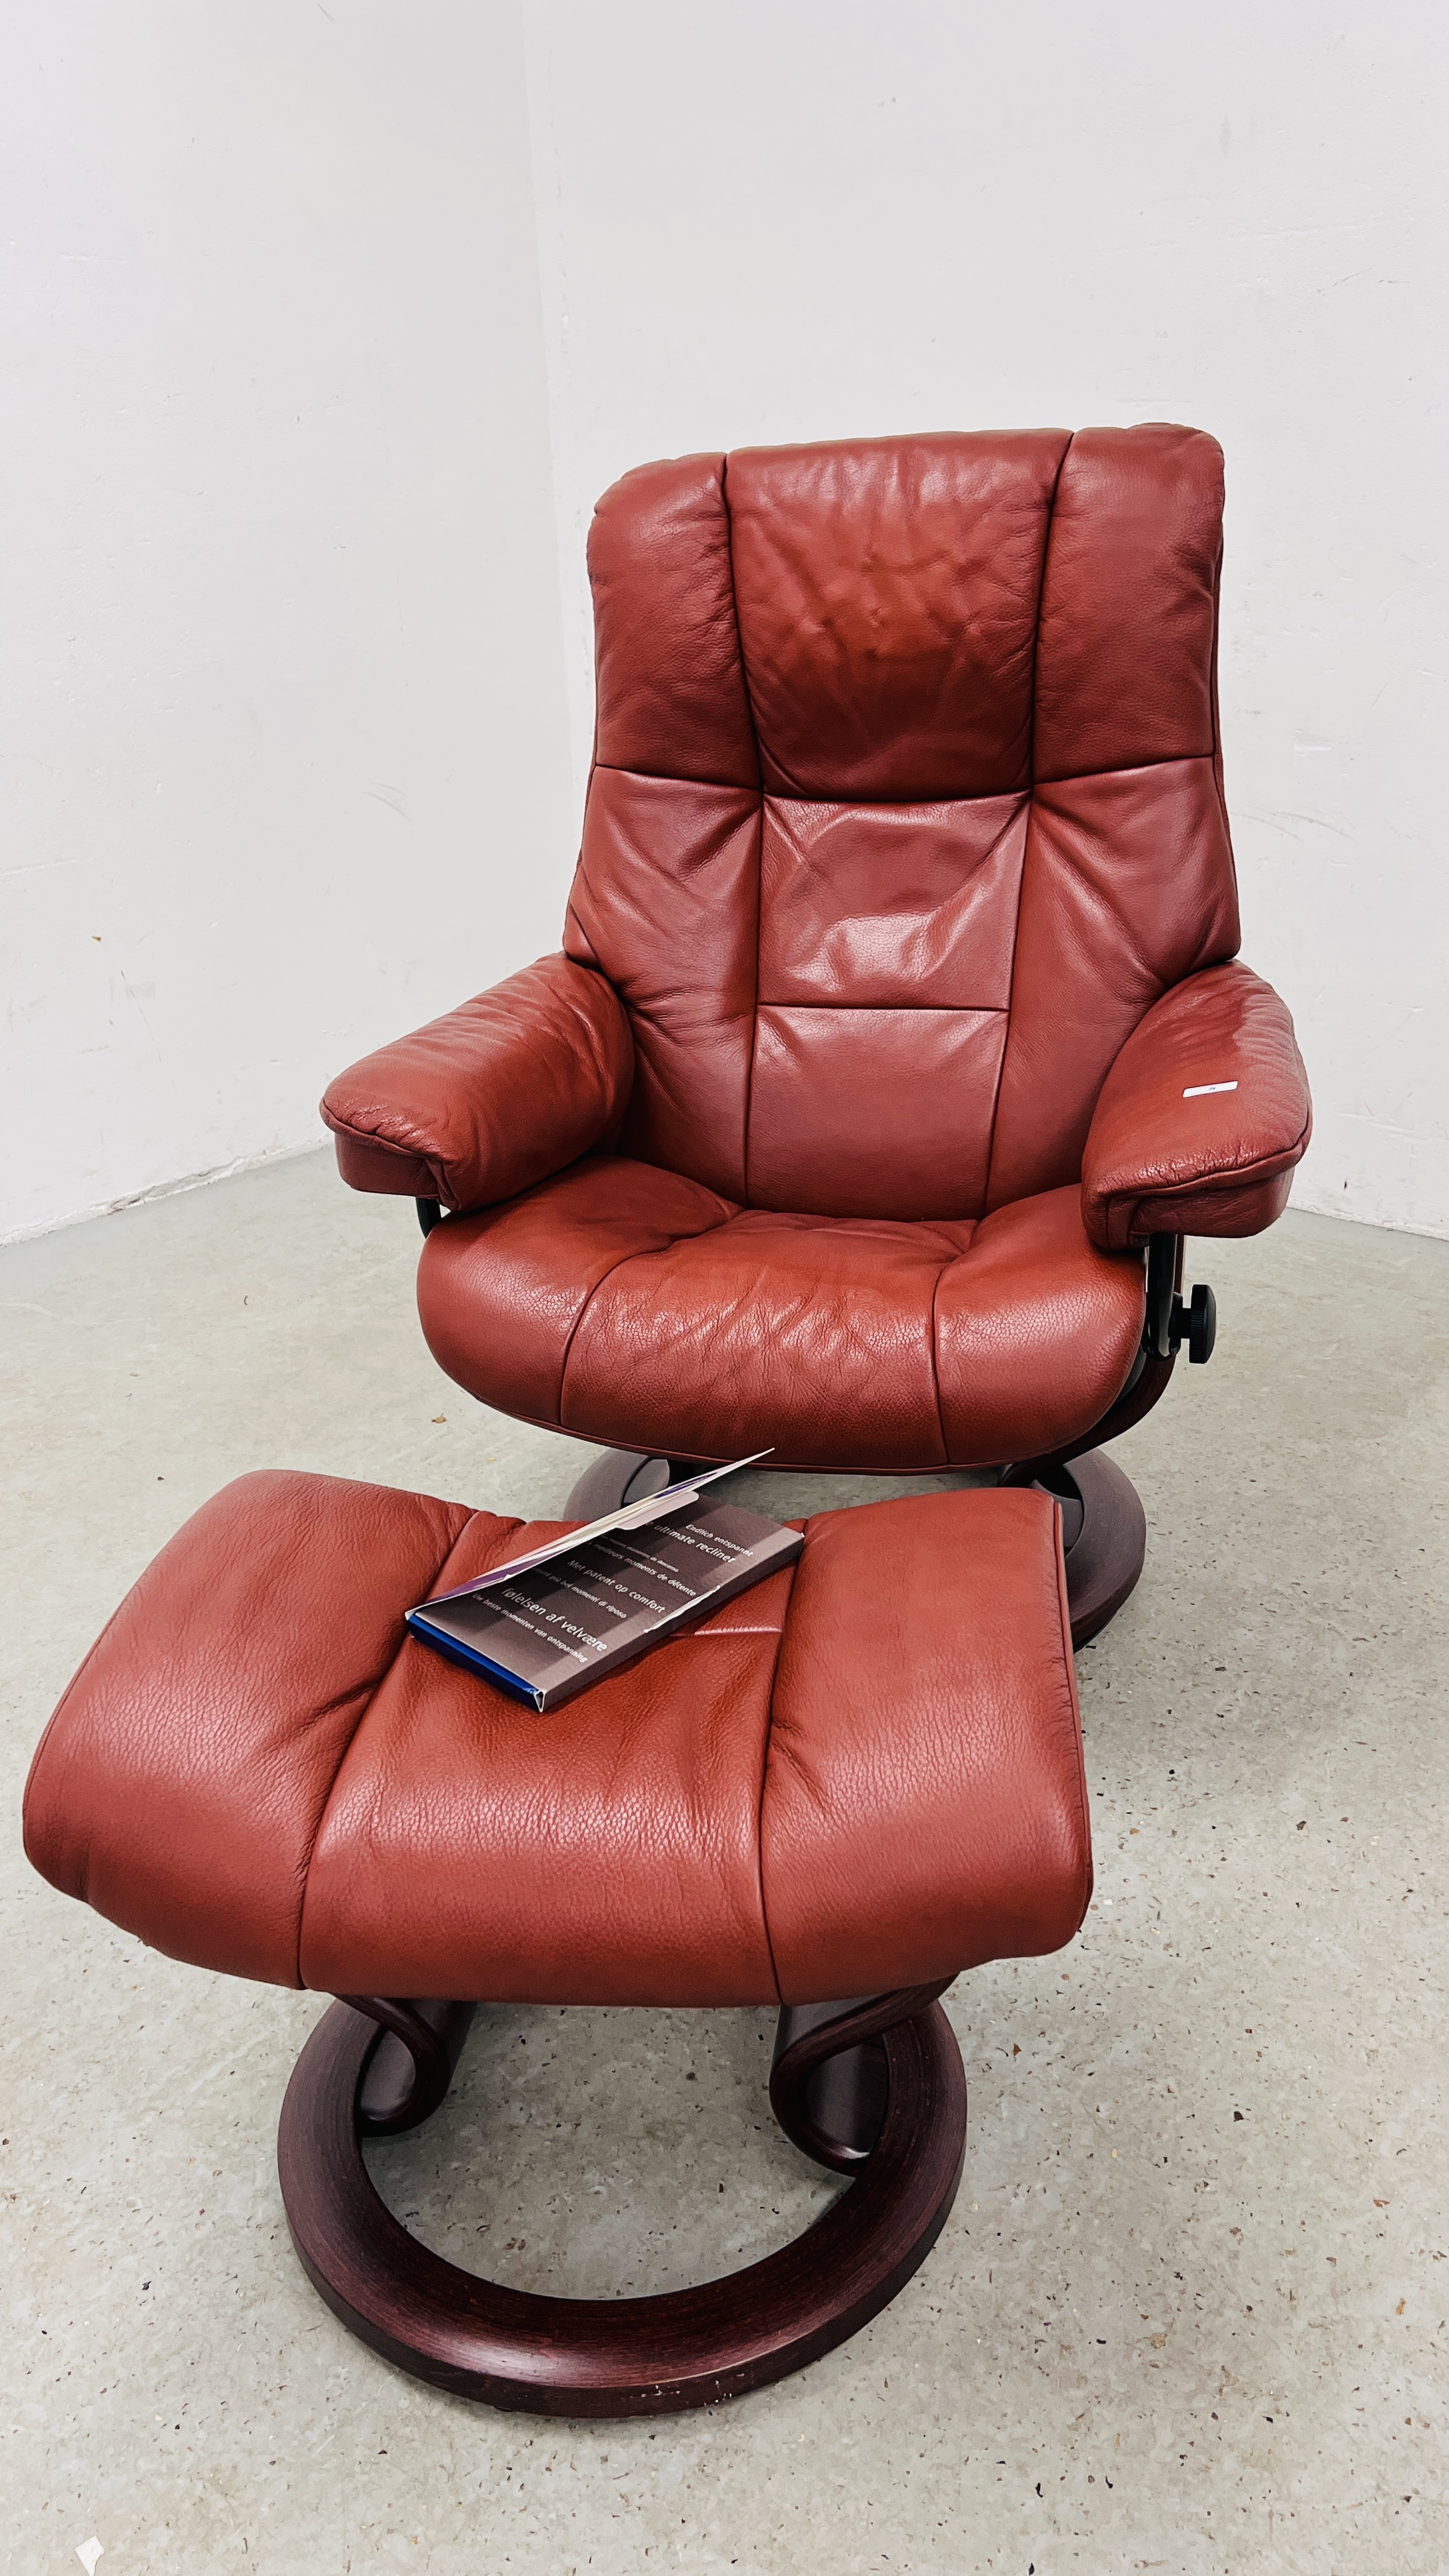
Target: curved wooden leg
[829,2086]
[413,2063]
[649,2356]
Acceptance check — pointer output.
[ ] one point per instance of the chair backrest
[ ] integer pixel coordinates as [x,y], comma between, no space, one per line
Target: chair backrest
[906,802]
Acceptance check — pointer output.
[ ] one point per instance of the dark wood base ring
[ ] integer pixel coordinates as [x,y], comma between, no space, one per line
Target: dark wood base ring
[649,2356]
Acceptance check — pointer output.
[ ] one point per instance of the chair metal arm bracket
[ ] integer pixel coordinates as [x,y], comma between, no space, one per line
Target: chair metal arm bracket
[1170,1320]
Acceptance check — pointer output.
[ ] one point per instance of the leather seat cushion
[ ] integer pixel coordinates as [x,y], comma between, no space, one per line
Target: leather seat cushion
[632,1306]
[865,1773]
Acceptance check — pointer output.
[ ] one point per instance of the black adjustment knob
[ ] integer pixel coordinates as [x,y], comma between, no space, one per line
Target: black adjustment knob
[1197,1325]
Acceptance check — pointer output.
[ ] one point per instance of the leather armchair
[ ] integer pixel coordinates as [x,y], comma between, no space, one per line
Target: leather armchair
[897,1011]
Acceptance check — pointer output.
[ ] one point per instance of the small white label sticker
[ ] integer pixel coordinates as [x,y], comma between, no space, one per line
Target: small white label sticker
[1200,1090]
[88,2552]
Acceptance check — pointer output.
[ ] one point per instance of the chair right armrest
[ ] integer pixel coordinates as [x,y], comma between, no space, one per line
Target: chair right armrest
[1201,1119]
[491,1098]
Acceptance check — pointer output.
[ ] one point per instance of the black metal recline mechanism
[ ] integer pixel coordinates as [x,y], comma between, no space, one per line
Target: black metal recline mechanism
[1170,1322]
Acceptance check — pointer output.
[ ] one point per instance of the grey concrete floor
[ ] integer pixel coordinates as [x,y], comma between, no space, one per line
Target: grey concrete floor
[1188,2313]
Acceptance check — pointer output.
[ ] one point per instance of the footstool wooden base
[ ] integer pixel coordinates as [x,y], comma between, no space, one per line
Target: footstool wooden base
[650,2356]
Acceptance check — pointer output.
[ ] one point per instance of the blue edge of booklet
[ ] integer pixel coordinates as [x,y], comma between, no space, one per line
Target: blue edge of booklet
[654,1506]
[472,1662]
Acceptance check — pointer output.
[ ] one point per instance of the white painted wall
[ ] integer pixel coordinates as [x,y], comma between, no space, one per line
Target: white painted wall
[282,735]
[787,219]
[282,732]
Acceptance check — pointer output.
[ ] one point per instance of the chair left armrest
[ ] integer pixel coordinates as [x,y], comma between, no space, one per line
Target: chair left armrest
[491,1098]
[1202,1118]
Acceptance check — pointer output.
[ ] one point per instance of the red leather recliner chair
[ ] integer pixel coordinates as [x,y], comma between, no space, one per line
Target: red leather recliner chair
[897,1015]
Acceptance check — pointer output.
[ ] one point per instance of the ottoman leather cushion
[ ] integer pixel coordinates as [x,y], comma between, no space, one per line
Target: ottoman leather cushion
[863,1774]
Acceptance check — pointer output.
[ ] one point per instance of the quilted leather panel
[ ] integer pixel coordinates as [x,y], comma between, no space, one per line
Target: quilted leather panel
[891,906]
[887,598]
[1128,886]
[500,1295]
[873,1113]
[670,685]
[610,1849]
[1125,656]
[667,898]
[850,1853]
[697,1346]
[179,1784]
[1033,1295]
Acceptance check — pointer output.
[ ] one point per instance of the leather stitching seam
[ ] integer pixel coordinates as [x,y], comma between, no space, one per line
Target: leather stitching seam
[724,465]
[890,804]
[936,1349]
[641,1253]
[1125,768]
[371,1690]
[765,1774]
[1203,1183]
[961,1010]
[1074,1711]
[1031,813]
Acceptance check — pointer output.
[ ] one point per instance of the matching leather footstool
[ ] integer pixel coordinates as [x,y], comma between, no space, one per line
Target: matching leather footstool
[850,1784]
